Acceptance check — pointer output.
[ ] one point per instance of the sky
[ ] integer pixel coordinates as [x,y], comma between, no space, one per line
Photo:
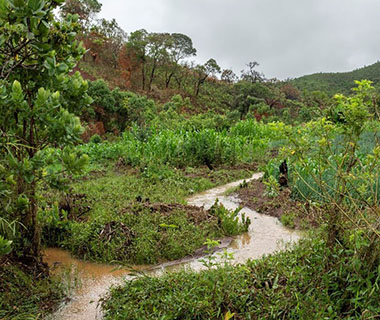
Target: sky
[289,38]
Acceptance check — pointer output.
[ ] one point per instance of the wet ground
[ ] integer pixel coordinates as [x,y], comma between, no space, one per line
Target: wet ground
[265,235]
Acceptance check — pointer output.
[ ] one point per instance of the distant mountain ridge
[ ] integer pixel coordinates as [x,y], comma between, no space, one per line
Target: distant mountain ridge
[339,82]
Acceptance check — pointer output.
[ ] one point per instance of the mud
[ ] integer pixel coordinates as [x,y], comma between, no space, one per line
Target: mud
[252,195]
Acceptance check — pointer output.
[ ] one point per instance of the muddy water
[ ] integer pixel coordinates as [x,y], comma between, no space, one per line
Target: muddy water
[265,235]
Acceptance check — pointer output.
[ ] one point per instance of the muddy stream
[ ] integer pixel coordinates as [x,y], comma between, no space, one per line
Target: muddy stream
[266,235]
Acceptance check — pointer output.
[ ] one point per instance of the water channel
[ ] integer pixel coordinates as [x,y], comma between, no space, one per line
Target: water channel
[265,235]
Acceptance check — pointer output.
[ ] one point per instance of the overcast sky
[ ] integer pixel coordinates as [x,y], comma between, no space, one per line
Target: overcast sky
[289,38]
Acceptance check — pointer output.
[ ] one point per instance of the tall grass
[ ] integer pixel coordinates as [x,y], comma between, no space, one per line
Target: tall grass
[245,142]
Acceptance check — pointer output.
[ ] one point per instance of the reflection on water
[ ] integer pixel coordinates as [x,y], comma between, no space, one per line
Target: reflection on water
[58,258]
[265,235]
[243,240]
[95,280]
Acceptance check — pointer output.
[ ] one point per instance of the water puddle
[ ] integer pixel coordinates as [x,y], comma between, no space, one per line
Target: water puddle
[265,235]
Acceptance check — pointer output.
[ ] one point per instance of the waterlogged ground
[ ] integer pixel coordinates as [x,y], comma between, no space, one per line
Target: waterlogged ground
[265,235]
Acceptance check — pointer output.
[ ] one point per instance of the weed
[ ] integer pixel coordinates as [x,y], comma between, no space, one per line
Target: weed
[294,284]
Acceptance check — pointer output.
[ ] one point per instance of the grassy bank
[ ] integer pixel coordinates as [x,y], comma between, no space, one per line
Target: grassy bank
[26,295]
[309,281]
[110,213]
[126,215]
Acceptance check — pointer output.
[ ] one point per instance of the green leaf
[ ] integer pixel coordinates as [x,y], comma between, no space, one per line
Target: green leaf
[4,8]
[45,24]
[17,94]
[5,246]
[36,5]
[63,67]
[17,4]
[2,39]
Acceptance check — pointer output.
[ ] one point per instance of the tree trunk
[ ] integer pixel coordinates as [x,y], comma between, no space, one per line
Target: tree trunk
[179,82]
[198,85]
[152,77]
[143,76]
[31,234]
[34,227]
[167,82]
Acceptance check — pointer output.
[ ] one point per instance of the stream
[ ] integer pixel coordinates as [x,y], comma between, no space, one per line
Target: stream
[265,235]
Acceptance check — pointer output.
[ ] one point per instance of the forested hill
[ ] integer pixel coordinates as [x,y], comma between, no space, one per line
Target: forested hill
[340,82]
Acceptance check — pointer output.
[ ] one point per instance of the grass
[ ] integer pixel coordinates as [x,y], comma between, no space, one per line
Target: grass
[23,295]
[306,282]
[153,166]
[246,142]
[158,227]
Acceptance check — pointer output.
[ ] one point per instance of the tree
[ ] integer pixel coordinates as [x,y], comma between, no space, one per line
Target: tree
[252,75]
[110,38]
[228,76]
[248,95]
[202,72]
[291,92]
[157,50]
[137,46]
[180,47]
[183,74]
[37,53]
[85,9]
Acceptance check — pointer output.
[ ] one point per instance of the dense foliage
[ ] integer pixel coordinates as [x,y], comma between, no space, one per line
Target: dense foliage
[129,217]
[340,82]
[245,142]
[36,100]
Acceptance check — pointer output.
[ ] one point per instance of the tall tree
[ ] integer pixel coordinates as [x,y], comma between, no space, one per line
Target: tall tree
[110,39]
[228,76]
[180,47]
[158,46]
[36,55]
[202,72]
[251,74]
[137,46]
[85,9]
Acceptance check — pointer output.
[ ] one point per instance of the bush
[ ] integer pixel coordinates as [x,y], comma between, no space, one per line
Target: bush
[95,139]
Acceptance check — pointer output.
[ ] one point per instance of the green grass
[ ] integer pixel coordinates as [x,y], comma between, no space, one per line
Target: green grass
[246,142]
[24,296]
[159,165]
[120,229]
[306,282]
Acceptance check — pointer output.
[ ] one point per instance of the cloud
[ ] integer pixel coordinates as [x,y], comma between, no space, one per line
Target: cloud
[288,38]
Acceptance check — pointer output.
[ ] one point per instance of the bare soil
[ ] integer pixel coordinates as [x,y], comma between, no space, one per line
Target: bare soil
[301,215]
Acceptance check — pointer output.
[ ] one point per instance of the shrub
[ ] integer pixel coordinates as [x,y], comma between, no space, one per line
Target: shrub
[95,139]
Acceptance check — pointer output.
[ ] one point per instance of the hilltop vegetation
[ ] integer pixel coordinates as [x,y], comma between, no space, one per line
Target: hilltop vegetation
[339,82]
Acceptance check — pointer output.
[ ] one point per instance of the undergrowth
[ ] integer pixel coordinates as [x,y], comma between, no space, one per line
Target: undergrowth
[138,217]
[23,295]
[306,282]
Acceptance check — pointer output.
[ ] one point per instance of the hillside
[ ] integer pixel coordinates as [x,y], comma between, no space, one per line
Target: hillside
[340,82]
